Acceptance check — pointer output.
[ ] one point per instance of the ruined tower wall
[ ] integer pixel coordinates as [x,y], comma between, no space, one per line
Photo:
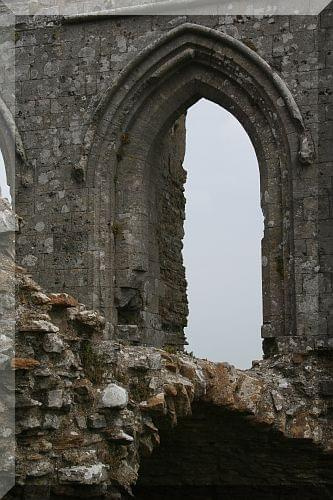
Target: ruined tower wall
[68,193]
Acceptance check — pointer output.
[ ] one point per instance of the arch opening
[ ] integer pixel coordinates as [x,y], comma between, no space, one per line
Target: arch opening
[135,120]
[231,457]
[144,274]
[222,243]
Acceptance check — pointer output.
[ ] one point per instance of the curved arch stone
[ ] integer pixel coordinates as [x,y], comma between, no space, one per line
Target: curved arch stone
[143,65]
[157,87]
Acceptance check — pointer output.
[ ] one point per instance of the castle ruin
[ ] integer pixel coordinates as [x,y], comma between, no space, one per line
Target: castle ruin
[99,192]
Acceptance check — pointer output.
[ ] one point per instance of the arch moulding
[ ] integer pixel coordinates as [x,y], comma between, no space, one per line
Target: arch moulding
[121,151]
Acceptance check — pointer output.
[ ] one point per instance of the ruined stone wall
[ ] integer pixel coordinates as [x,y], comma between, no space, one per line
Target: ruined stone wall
[77,232]
[325,185]
[94,417]
[167,301]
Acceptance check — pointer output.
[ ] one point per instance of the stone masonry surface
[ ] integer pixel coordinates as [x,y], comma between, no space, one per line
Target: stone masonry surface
[108,402]
[101,190]
[90,411]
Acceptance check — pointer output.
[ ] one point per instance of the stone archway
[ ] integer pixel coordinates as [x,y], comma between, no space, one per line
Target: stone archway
[217,453]
[189,63]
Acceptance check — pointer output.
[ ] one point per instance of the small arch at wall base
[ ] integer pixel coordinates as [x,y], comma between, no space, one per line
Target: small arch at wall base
[217,454]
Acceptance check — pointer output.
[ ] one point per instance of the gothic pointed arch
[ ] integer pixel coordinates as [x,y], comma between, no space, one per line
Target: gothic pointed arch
[176,48]
[122,150]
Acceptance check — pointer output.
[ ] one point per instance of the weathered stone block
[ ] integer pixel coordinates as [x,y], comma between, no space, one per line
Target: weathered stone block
[113,396]
[55,398]
[95,474]
[53,343]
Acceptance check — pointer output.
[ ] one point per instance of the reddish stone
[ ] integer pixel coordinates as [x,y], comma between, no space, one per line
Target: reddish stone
[24,363]
[62,300]
[154,404]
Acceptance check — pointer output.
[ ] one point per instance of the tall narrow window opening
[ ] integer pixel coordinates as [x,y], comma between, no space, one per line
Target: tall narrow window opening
[223,232]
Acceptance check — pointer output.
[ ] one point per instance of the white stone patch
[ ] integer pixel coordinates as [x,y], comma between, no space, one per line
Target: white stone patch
[76,135]
[40,206]
[129,237]
[51,422]
[39,469]
[93,474]
[264,261]
[114,396]
[41,297]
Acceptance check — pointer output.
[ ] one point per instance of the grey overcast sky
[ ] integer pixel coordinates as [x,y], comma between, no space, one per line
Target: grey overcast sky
[223,231]
[3,181]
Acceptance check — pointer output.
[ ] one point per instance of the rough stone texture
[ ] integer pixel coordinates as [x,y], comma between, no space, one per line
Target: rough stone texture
[7,334]
[100,192]
[99,129]
[113,396]
[195,427]
[325,134]
[173,307]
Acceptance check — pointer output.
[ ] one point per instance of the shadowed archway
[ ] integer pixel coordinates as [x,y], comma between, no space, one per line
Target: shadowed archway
[232,457]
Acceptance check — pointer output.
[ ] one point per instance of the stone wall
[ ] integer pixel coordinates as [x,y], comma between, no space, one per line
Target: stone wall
[100,142]
[173,307]
[325,134]
[87,125]
[93,416]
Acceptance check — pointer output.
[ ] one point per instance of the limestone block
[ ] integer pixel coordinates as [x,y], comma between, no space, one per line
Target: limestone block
[38,325]
[113,396]
[55,398]
[94,474]
[53,343]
